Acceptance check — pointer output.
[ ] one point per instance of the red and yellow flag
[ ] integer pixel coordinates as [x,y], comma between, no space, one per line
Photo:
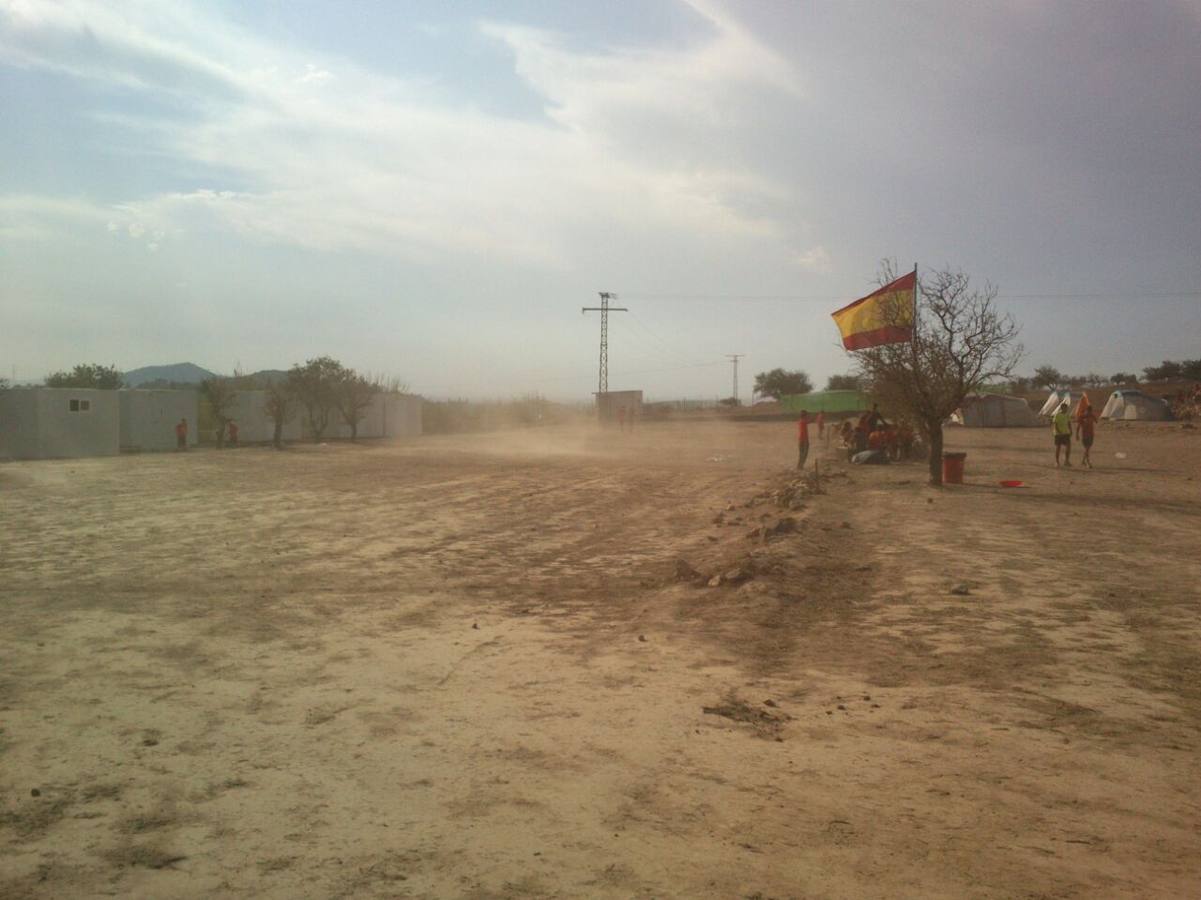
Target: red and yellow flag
[882,317]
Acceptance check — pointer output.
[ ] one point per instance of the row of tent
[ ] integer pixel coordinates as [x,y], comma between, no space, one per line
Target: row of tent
[1004,411]
[987,410]
[1124,404]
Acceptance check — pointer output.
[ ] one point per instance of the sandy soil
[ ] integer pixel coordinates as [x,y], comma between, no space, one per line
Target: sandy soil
[474,667]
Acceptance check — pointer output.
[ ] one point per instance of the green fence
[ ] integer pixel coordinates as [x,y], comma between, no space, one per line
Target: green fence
[826,401]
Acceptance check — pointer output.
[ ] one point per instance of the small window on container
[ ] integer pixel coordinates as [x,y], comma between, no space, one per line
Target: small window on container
[85,405]
[74,405]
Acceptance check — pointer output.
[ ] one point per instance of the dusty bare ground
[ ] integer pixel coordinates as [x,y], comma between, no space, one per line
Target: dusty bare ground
[476,667]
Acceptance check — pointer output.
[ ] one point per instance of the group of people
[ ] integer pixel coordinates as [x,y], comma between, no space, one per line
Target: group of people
[871,439]
[1085,421]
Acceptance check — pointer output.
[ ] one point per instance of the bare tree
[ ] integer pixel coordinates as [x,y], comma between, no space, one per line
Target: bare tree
[353,394]
[960,340]
[220,394]
[280,407]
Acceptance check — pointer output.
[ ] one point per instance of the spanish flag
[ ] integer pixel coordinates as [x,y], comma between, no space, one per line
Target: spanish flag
[882,317]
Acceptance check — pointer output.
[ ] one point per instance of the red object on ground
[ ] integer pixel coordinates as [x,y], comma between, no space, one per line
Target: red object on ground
[1013,484]
[952,468]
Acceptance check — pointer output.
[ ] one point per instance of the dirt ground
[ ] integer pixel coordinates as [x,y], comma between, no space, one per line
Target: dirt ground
[484,667]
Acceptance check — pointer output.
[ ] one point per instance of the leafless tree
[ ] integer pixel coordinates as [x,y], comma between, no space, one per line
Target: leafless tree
[960,340]
[220,394]
[353,394]
[280,407]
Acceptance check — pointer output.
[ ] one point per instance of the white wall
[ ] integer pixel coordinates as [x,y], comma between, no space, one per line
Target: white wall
[248,411]
[389,416]
[149,417]
[18,424]
[37,423]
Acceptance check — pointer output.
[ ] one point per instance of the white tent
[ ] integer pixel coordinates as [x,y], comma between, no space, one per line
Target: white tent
[1135,405]
[1055,400]
[994,411]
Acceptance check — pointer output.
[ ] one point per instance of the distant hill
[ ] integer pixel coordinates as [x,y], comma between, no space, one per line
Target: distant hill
[179,373]
[268,376]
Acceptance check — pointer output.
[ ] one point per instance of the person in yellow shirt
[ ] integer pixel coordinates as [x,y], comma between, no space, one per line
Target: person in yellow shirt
[1061,428]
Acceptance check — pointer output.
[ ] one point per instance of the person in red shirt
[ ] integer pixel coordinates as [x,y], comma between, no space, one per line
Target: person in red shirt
[233,433]
[181,435]
[802,439]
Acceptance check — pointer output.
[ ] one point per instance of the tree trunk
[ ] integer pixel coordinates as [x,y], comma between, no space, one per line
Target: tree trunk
[220,435]
[934,430]
[278,437]
[354,431]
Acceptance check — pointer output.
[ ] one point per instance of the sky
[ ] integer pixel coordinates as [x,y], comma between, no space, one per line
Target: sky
[433,191]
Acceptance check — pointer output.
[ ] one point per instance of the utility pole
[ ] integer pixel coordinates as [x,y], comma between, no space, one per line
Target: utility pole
[734,357]
[602,378]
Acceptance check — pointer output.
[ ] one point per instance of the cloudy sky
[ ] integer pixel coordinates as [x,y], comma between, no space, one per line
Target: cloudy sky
[433,190]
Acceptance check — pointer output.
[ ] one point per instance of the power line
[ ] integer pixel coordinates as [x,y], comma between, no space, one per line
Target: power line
[834,298]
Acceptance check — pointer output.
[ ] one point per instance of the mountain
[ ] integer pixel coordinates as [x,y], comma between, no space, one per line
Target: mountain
[268,376]
[179,373]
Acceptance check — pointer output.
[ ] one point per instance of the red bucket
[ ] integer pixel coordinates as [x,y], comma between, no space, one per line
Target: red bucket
[952,468]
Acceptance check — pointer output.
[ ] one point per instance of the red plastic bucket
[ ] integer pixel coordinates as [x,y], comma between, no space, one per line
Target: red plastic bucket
[952,468]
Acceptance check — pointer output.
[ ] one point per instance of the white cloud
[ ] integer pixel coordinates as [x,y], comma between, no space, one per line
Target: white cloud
[815,259]
[635,139]
[314,75]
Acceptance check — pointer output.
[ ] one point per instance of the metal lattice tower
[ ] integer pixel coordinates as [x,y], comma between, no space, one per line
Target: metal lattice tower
[602,378]
[734,357]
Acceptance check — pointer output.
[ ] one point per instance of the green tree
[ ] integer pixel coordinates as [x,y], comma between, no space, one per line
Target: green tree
[315,385]
[1166,371]
[778,383]
[849,382]
[86,375]
[1123,378]
[960,341]
[1047,377]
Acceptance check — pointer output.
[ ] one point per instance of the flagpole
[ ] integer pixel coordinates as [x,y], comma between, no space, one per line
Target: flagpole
[913,327]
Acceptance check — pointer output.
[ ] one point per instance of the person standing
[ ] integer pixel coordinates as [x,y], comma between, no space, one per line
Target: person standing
[821,423]
[1086,421]
[875,421]
[1061,428]
[181,435]
[233,433]
[802,439]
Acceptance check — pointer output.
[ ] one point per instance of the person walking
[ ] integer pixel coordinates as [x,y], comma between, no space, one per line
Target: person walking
[181,435]
[1061,428]
[802,439]
[1086,421]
